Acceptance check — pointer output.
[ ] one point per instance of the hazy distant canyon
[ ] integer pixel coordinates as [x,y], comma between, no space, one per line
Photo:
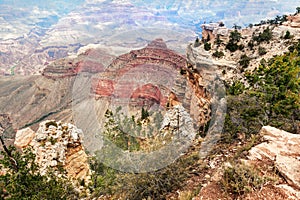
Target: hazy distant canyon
[34,33]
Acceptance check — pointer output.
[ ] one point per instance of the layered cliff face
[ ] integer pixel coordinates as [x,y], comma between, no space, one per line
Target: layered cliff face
[90,61]
[151,76]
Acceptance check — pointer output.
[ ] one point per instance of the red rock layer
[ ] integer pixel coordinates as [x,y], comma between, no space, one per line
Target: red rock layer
[154,60]
[90,61]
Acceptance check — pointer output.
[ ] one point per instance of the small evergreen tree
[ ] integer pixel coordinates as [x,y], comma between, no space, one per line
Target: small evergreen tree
[197,42]
[244,61]
[287,35]
[207,46]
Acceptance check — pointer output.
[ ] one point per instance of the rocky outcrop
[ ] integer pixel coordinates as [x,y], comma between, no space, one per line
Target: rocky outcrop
[55,145]
[276,158]
[283,149]
[60,69]
[293,21]
[211,30]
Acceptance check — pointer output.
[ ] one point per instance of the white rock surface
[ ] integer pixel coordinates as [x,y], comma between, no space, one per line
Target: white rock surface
[283,149]
[24,137]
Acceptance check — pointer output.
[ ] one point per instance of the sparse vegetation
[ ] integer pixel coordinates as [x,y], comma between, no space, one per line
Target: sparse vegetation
[277,20]
[268,95]
[240,179]
[218,54]
[264,36]
[22,179]
[151,185]
[236,88]
[235,37]
[251,44]
[272,98]
[218,41]
[121,130]
[232,46]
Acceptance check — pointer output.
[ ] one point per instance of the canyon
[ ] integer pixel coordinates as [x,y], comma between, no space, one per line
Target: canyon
[149,78]
[62,106]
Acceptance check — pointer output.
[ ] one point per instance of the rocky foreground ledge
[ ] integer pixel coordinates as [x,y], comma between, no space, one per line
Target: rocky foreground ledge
[57,144]
[283,150]
[277,155]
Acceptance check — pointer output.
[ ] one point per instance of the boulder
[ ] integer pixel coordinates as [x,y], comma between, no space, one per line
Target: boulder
[24,137]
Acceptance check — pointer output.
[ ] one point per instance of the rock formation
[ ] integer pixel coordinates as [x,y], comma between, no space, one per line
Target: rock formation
[277,154]
[141,76]
[283,150]
[211,30]
[293,21]
[30,100]
[55,145]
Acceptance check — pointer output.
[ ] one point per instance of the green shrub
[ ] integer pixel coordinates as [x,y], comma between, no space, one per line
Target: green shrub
[104,179]
[244,61]
[240,179]
[197,42]
[235,36]
[272,98]
[262,50]
[287,35]
[218,54]
[241,47]
[251,44]
[265,36]
[231,46]
[121,130]
[144,114]
[151,185]
[218,41]
[236,88]
[207,46]
[158,184]
[295,47]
